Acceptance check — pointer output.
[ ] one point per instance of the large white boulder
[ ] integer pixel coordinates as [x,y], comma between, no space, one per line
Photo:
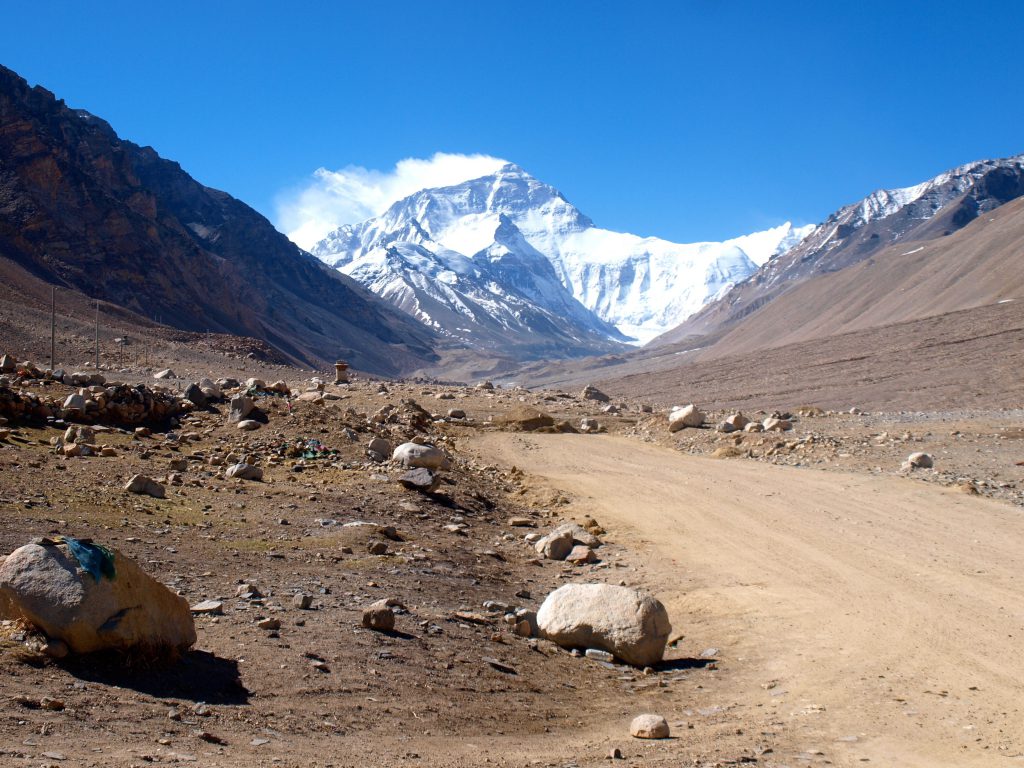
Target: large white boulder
[45,585]
[688,416]
[623,621]
[416,455]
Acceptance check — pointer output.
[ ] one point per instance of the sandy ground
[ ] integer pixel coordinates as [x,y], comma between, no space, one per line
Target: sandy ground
[873,620]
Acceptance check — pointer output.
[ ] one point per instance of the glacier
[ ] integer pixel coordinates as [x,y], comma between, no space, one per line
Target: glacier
[507,238]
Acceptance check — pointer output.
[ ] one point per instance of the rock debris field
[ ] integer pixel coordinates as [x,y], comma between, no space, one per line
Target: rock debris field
[227,570]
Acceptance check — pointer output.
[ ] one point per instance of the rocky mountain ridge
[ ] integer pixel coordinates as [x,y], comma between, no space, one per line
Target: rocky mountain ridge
[632,287]
[913,215]
[83,209]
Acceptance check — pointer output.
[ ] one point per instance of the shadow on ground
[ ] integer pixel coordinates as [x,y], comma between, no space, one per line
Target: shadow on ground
[672,665]
[197,676]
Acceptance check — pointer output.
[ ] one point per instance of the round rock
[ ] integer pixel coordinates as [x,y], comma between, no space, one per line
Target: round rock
[920,459]
[625,622]
[649,727]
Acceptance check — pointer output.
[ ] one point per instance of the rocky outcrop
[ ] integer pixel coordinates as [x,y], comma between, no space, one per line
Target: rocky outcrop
[591,392]
[525,419]
[115,405]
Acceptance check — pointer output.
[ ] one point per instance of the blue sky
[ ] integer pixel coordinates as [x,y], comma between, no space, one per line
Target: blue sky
[686,120]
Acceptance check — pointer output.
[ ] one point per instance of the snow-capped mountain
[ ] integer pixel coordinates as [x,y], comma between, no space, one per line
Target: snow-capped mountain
[505,297]
[888,215]
[932,209]
[505,225]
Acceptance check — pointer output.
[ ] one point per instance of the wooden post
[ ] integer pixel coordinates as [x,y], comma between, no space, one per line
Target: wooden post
[97,334]
[53,325]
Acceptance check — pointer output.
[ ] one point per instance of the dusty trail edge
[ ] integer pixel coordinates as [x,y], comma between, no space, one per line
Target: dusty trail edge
[877,618]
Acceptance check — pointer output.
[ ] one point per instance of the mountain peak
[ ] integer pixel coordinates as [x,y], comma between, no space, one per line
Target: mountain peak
[512,225]
[512,169]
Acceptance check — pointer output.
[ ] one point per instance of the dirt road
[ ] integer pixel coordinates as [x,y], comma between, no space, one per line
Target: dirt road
[879,618]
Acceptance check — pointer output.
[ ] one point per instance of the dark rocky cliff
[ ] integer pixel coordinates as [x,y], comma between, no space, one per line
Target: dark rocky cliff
[85,210]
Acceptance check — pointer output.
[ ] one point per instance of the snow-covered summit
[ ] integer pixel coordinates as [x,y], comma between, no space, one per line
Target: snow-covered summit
[640,285]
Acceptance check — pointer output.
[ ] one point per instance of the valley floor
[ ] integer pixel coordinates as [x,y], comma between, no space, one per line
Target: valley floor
[827,609]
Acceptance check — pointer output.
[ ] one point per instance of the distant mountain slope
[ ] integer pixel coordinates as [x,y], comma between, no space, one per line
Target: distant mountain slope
[979,265]
[639,286]
[83,209]
[926,211]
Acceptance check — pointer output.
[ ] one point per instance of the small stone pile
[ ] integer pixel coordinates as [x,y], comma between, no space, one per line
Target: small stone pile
[93,402]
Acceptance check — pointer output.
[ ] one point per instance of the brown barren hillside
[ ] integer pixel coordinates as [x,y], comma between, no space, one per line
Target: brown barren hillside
[885,219]
[981,264]
[971,358]
[84,210]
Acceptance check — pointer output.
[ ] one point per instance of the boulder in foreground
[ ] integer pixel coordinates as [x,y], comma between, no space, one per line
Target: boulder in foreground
[93,599]
[620,620]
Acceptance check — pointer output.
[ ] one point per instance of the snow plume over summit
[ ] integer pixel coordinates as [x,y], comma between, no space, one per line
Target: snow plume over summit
[354,194]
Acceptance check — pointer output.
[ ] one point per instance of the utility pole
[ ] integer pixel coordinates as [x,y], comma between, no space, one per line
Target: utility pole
[53,325]
[97,334]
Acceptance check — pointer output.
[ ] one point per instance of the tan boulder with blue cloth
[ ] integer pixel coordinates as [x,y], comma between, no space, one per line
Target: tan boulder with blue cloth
[93,598]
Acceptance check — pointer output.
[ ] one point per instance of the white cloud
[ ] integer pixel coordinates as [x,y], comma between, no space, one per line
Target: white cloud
[354,193]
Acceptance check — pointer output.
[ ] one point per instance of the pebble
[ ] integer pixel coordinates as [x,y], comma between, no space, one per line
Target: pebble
[208,607]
